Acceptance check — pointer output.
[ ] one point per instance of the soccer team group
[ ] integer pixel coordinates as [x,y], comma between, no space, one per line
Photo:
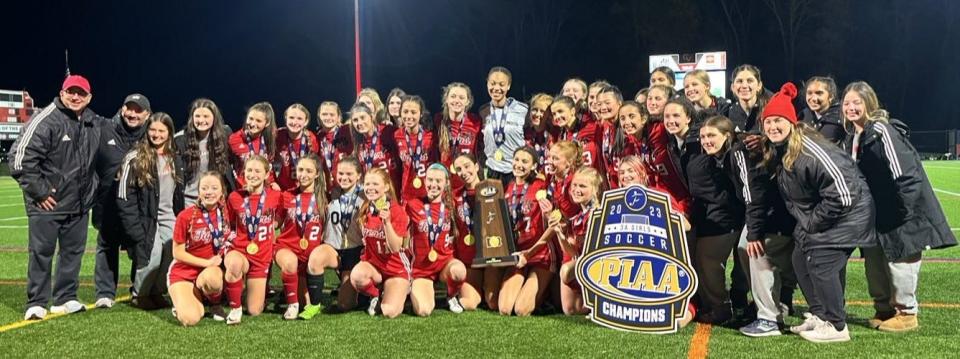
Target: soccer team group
[383,195]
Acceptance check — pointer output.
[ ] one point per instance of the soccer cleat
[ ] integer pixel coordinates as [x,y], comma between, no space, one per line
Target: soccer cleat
[234,316]
[825,332]
[310,311]
[454,304]
[902,322]
[216,311]
[809,323]
[69,307]
[35,313]
[761,328]
[104,303]
[372,309]
[292,311]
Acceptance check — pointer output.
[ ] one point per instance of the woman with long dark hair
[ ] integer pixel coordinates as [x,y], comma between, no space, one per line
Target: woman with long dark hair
[202,146]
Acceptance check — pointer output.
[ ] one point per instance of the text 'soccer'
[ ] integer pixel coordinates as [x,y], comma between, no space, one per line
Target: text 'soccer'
[635,268]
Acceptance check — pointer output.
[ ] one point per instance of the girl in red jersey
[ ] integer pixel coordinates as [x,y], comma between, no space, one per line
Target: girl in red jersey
[522,288]
[535,130]
[386,257]
[394,98]
[564,159]
[584,191]
[415,146]
[568,124]
[199,236]
[374,144]
[468,169]
[293,143]
[655,149]
[254,210]
[301,230]
[432,235]
[333,138]
[458,130]
[341,241]
[611,142]
[257,137]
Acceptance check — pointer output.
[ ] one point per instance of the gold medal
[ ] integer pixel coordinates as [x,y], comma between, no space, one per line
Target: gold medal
[433,255]
[468,240]
[555,215]
[541,195]
[498,155]
[253,248]
[417,182]
[304,243]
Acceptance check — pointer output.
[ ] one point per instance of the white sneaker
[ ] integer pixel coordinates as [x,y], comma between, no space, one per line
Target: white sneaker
[70,307]
[292,311]
[104,303]
[35,313]
[372,309]
[173,311]
[810,323]
[234,316]
[454,304]
[825,332]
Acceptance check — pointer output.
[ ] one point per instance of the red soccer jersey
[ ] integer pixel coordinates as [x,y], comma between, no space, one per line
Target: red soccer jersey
[380,150]
[527,218]
[465,245]
[559,191]
[417,151]
[376,252]
[259,248]
[334,145]
[301,230]
[661,171]
[290,150]
[465,137]
[439,220]
[577,232]
[193,230]
[241,147]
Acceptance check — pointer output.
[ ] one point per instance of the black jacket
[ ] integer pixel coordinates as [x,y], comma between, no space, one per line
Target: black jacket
[766,213]
[827,196]
[54,155]
[715,209]
[830,124]
[116,139]
[909,217]
[746,122]
[138,206]
[180,144]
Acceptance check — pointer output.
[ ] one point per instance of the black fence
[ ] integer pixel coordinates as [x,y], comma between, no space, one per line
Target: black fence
[936,145]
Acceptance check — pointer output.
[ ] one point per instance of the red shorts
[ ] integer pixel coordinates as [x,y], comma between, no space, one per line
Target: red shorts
[393,267]
[182,272]
[259,268]
[430,270]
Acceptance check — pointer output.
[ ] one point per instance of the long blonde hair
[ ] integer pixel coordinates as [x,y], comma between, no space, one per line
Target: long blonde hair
[379,111]
[870,102]
[445,120]
[145,162]
[794,147]
[319,184]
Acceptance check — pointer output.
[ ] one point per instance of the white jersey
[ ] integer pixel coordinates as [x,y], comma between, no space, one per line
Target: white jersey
[341,230]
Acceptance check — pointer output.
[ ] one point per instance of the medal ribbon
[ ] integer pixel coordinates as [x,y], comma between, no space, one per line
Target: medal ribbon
[433,230]
[253,222]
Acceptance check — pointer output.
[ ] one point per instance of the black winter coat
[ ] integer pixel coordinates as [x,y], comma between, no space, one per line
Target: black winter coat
[830,125]
[909,216]
[715,209]
[54,156]
[827,195]
[116,139]
[765,211]
[138,206]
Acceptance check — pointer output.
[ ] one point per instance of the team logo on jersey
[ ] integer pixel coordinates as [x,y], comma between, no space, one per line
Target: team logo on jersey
[635,269]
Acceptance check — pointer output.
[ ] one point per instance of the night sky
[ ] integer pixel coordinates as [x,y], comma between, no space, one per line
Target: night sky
[241,52]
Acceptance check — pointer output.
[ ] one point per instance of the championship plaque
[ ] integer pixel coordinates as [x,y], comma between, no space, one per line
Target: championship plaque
[494,232]
[635,270]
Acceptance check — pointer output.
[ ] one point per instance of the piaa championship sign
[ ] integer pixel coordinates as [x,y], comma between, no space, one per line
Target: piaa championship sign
[635,269]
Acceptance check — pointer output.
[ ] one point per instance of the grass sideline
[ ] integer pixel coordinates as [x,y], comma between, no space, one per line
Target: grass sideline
[484,334]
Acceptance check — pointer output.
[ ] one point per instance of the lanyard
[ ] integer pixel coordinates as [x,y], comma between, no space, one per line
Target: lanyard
[296,155]
[578,220]
[466,213]
[348,204]
[369,151]
[253,222]
[303,218]
[416,153]
[215,232]
[434,229]
[456,135]
[262,151]
[328,149]
[516,199]
[499,126]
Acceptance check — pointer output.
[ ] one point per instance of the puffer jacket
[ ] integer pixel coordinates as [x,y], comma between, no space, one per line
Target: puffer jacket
[765,214]
[830,124]
[909,216]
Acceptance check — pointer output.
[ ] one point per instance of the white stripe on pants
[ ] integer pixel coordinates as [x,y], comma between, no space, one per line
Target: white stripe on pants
[892,285]
[766,274]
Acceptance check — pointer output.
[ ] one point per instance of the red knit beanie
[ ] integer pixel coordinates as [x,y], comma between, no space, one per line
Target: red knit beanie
[781,104]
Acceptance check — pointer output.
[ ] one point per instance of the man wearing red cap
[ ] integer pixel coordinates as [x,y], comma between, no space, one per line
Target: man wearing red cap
[53,161]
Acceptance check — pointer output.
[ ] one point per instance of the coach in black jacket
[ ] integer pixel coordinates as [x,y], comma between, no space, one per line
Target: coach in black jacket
[833,207]
[909,217]
[116,139]
[53,161]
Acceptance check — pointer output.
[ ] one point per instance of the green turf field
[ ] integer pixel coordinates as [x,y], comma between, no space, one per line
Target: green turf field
[132,332]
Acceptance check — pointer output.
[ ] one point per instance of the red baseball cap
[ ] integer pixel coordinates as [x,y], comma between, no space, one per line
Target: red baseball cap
[76,81]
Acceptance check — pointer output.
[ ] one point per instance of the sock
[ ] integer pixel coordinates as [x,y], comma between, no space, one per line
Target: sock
[315,288]
[234,292]
[453,288]
[370,290]
[291,283]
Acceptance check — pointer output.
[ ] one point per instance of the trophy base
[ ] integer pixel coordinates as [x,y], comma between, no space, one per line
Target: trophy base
[505,261]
